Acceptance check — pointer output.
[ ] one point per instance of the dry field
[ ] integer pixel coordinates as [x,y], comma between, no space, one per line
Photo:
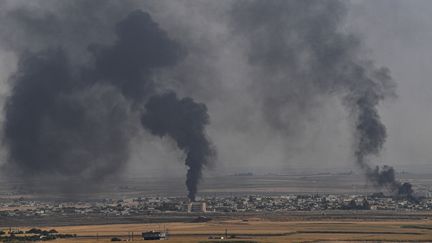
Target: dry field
[257,230]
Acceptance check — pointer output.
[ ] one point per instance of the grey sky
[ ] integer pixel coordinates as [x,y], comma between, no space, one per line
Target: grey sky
[395,33]
[398,34]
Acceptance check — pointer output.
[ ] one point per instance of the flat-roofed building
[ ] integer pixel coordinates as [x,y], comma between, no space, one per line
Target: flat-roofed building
[197,207]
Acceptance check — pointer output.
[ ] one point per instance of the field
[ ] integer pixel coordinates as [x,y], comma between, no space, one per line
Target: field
[227,185]
[275,227]
[263,230]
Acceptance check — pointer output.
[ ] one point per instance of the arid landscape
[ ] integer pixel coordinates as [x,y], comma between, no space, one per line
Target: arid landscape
[241,219]
[215,121]
[258,230]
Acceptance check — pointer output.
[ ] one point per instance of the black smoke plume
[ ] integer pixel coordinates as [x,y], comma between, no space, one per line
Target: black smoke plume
[184,121]
[57,130]
[66,122]
[371,134]
[140,49]
[300,53]
[385,177]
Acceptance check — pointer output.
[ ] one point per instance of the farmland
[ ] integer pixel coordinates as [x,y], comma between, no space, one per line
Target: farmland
[262,230]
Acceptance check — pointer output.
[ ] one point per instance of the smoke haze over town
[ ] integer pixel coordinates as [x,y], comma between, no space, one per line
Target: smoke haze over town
[105,90]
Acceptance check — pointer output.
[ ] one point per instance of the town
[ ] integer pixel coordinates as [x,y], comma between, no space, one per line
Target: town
[228,204]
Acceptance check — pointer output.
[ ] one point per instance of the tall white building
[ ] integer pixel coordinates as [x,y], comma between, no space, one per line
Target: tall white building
[197,207]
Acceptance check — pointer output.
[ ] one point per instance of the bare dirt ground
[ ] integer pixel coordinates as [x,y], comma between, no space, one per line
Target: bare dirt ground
[262,230]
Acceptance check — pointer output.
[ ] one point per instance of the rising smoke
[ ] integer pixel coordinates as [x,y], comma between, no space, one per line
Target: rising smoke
[183,120]
[141,48]
[72,122]
[300,52]
[73,106]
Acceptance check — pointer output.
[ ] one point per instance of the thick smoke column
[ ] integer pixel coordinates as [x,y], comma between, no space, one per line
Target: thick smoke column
[184,121]
[371,135]
[301,53]
[74,99]
[68,122]
[141,48]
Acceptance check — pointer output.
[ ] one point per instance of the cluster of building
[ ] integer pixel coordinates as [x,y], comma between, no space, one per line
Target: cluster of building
[226,204]
[105,207]
[315,202]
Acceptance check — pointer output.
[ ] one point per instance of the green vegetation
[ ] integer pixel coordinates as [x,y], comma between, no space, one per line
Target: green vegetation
[416,227]
[33,234]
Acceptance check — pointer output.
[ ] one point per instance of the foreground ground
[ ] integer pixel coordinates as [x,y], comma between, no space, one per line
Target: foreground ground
[263,230]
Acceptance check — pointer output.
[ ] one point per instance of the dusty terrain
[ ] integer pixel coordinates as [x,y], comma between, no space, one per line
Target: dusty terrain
[263,230]
[319,226]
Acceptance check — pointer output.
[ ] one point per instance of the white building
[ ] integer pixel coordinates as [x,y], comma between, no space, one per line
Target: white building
[197,207]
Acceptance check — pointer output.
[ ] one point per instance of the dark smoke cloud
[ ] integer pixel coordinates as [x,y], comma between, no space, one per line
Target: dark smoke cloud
[370,138]
[301,53]
[140,48]
[42,24]
[298,53]
[184,121]
[73,122]
[56,129]
[385,177]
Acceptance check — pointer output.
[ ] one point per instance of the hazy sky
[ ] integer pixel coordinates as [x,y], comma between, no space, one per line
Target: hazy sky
[398,34]
[394,33]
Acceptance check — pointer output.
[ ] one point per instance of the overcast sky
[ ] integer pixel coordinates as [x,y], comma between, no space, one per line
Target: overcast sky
[394,33]
[398,34]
